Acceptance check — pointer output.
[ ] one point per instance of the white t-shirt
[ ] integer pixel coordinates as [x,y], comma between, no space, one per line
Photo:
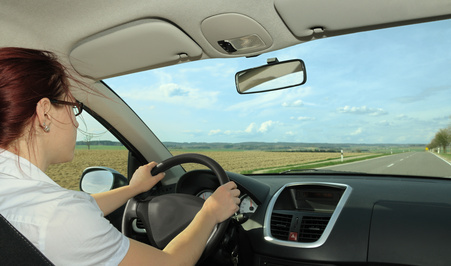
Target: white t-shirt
[67,226]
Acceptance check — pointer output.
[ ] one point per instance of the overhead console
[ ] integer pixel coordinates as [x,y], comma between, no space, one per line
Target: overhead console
[304,214]
[134,46]
[235,34]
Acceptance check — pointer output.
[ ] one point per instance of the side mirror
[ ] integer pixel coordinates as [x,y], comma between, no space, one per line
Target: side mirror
[273,76]
[100,179]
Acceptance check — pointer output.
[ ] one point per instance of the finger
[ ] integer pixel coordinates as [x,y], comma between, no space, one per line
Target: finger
[149,166]
[160,176]
[152,164]
[230,185]
[235,192]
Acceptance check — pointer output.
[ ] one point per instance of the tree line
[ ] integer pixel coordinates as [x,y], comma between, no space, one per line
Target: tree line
[442,139]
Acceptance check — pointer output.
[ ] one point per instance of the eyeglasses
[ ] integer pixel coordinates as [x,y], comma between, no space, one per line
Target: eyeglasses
[77,106]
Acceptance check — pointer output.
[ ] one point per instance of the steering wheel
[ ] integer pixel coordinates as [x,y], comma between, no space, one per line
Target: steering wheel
[167,215]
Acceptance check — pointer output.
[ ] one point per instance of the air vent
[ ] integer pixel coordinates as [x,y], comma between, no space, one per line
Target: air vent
[312,228]
[280,225]
[138,226]
[303,214]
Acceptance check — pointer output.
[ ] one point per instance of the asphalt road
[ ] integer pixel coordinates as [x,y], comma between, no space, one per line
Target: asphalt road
[410,163]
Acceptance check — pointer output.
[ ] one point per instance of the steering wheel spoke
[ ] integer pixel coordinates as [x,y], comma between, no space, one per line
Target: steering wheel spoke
[166,216]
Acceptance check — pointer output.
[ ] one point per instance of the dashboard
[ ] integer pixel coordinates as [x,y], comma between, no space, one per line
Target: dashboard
[337,219]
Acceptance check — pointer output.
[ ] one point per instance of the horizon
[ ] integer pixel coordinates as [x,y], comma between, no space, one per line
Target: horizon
[262,142]
[404,93]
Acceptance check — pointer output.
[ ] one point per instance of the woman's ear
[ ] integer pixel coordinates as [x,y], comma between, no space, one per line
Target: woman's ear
[43,107]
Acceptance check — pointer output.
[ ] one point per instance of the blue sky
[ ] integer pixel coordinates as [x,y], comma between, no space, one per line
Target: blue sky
[386,86]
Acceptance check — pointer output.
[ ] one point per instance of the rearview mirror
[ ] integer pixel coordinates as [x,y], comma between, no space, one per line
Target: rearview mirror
[273,76]
[101,179]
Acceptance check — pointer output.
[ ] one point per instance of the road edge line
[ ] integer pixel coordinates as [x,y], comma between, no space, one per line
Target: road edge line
[442,158]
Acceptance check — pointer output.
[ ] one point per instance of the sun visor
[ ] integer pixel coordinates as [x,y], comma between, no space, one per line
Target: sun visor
[132,47]
[307,17]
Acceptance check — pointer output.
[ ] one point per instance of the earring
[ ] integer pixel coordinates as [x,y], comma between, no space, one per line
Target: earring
[46,128]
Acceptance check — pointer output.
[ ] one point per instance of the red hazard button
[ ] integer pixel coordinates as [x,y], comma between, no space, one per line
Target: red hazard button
[293,236]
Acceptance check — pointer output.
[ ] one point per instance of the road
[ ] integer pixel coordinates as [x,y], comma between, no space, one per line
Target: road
[410,163]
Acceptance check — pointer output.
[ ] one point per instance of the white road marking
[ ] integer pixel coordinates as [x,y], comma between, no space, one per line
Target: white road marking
[391,165]
[442,159]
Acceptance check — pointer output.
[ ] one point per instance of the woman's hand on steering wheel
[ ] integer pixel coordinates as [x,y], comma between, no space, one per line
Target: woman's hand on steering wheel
[223,203]
[165,216]
[143,180]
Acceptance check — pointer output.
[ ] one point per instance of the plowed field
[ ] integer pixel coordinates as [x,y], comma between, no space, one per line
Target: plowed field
[68,174]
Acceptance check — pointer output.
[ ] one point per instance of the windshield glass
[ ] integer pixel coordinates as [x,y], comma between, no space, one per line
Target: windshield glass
[378,93]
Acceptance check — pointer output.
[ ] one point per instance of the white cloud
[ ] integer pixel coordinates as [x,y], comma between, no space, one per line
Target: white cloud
[250,128]
[214,132]
[362,110]
[174,90]
[403,117]
[303,118]
[384,123]
[297,103]
[357,132]
[272,99]
[174,94]
[265,126]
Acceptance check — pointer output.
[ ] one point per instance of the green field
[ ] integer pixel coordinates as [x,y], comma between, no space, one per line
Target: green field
[231,157]
[100,147]
[68,174]
[316,164]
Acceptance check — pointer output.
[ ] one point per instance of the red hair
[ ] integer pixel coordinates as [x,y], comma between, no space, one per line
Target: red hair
[27,76]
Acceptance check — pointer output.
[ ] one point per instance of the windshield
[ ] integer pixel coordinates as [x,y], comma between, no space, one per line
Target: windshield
[378,93]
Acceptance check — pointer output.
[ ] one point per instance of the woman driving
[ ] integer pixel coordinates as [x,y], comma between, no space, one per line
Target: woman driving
[38,128]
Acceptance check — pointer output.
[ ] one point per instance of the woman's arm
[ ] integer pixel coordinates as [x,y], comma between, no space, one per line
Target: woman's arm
[187,247]
[141,181]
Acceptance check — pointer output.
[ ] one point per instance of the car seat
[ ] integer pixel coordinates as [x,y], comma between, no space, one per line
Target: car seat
[16,249]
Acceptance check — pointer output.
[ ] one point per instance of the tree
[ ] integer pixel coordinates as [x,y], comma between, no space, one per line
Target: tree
[90,136]
[443,138]
[433,144]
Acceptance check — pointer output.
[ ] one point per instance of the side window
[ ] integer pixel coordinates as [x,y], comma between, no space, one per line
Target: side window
[95,147]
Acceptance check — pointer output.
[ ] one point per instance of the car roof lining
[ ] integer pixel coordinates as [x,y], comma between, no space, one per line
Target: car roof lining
[62,26]
[151,43]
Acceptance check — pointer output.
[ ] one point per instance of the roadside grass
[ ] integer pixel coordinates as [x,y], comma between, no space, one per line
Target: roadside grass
[446,156]
[318,164]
